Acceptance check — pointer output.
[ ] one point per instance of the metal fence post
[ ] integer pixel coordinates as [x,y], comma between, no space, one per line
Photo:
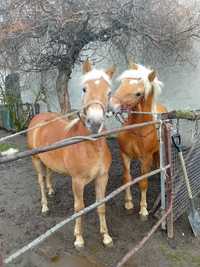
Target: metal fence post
[162,175]
[169,182]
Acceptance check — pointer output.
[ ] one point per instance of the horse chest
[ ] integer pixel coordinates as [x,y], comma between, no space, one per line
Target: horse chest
[136,146]
[85,160]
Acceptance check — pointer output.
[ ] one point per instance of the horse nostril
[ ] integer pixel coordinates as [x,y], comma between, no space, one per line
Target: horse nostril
[89,122]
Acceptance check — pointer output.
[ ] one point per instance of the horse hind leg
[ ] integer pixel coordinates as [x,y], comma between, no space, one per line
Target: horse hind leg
[40,169]
[100,188]
[127,178]
[49,182]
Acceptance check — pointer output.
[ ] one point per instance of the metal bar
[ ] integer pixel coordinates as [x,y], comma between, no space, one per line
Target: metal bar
[5,138]
[162,176]
[182,114]
[44,236]
[169,185]
[71,141]
[145,239]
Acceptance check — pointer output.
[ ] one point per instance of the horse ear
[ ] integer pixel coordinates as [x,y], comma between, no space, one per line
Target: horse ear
[152,76]
[132,65]
[87,66]
[111,71]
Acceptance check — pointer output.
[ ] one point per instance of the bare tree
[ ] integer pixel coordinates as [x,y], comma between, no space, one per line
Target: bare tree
[43,34]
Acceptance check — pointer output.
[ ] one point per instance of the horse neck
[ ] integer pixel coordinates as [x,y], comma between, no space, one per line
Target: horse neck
[77,129]
[144,106]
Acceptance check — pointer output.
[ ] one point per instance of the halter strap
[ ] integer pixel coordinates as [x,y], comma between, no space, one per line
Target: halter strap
[96,102]
[82,114]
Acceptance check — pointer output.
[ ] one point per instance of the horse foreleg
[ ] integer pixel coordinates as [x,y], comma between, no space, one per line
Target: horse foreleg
[78,189]
[143,185]
[127,178]
[49,182]
[100,188]
[40,171]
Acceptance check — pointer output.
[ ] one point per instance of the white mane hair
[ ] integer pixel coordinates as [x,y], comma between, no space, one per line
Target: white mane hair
[95,74]
[142,73]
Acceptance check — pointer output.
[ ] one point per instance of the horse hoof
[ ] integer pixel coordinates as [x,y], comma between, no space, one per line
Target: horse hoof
[107,241]
[143,211]
[46,213]
[129,205]
[79,243]
[45,210]
[129,211]
[51,194]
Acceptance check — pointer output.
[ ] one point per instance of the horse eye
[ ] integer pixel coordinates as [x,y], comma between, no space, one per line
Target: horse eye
[109,93]
[138,94]
[84,89]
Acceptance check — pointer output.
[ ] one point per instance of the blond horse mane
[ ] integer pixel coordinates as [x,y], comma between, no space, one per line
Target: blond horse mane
[95,74]
[141,73]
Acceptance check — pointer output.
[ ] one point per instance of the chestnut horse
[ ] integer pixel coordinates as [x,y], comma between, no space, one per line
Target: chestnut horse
[84,162]
[137,92]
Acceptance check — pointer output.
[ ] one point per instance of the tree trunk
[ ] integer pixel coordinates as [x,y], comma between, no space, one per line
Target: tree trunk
[44,90]
[62,89]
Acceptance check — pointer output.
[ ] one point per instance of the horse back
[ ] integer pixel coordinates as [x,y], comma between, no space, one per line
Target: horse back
[160,108]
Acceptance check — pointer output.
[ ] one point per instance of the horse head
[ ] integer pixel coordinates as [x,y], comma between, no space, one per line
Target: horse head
[136,84]
[96,94]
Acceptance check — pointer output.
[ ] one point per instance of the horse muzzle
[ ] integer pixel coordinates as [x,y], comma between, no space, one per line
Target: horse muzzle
[114,105]
[94,119]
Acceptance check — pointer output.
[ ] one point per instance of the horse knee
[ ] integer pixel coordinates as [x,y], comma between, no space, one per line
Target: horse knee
[127,178]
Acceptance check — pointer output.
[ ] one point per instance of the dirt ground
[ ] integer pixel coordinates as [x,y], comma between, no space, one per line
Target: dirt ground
[21,221]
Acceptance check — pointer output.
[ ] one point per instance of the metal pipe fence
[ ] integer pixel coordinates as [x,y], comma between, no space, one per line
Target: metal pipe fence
[41,238]
[164,167]
[73,140]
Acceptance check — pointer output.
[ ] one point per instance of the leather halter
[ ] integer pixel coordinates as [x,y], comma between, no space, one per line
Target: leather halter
[122,120]
[82,114]
[96,102]
[119,115]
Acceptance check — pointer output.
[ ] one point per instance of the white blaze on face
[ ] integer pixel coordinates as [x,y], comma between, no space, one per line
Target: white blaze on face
[133,82]
[97,82]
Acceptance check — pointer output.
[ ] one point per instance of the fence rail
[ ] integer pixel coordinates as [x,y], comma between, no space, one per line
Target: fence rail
[164,167]
[73,140]
[43,237]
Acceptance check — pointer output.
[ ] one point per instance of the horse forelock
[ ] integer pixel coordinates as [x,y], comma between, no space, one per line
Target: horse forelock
[139,73]
[95,74]
[142,73]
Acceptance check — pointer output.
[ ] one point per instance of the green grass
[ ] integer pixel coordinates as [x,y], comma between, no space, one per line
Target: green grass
[4,147]
[180,257]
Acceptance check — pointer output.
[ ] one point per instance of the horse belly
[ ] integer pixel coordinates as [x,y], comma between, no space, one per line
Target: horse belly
[54,161]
